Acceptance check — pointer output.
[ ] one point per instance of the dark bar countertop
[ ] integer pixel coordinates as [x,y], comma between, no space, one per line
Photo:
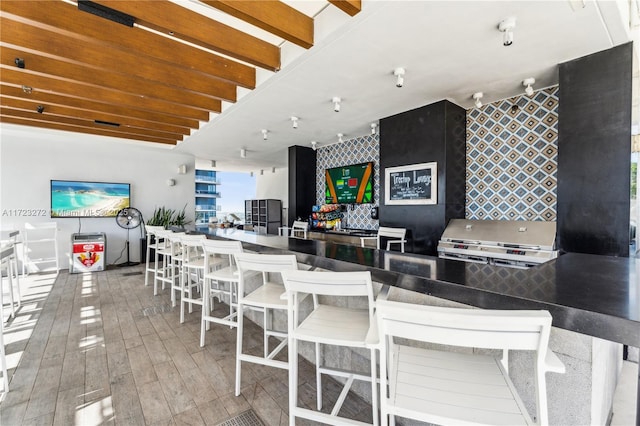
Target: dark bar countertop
[594,295]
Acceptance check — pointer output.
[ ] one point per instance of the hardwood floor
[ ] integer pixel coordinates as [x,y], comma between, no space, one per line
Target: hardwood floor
[99,348]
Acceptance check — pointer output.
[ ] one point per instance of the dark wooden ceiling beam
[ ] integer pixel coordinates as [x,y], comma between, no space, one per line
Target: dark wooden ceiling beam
[106,58]
[78,129]
[71,121]
[187,25]
[75,72]
[351,7]
[273,16]
[67,19]
[64,111]
[164,122]
[53,85]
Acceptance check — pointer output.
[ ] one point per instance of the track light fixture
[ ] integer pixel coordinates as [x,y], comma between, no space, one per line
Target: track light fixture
[264,134]
[476,99]
[19,62]
[40,109]
[506,26]
[373,128]
[27,89]
[213,163]
[243,153]
[314,145]
[294,120]
[527,83]
[273,170]
[340,135]
[251,174]
[106,12]
[336,103]
[261,172]
[399,73]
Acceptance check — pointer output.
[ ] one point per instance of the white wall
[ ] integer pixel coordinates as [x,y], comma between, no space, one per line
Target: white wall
[275,186]
[30,158]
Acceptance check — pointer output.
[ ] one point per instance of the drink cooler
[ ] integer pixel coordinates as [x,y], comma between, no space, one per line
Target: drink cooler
[88,252]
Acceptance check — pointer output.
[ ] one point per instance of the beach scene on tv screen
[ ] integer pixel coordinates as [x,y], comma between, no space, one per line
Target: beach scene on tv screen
[88,199]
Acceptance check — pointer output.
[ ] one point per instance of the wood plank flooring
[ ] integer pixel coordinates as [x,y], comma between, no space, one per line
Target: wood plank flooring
[99,348]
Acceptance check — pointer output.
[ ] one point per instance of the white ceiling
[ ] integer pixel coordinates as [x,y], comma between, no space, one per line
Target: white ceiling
[450,49]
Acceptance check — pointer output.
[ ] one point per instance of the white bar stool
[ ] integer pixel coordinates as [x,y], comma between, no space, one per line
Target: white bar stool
[387,232]
[299,227]
[5,263]
[266,298]
[329,325]
[215,274]
[151,232]
[36,234]
[192,271]
[439,386]
[161,268]
[172,257]
[12,240]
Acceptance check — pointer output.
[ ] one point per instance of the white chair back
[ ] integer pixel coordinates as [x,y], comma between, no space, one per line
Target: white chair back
[221,248]
[455,327]
[398,233]
[475,328]
[265,262]
[299,226]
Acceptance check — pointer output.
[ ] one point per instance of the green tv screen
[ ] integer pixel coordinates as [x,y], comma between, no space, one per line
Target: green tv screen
[349,184]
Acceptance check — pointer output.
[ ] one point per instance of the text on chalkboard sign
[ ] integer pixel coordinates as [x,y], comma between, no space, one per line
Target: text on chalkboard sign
[412,184]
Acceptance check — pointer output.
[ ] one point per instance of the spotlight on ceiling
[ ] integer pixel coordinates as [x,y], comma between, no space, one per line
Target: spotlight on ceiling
[527,83]
[506,26]
[243,153]
[336,103]
[19,62]
[314,145]
[251,174]
[340,135]
[373,128]
[294,120]
[27,89]
[399,73]
[261,172]
[264,134]
[476,99]
[40,109]
[213,163]
[273,170]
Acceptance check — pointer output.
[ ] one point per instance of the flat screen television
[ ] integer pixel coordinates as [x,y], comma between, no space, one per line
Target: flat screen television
[349,184]
[88,199]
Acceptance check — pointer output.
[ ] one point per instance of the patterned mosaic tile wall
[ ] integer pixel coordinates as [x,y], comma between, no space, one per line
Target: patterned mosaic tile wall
[352,151]
[512,158]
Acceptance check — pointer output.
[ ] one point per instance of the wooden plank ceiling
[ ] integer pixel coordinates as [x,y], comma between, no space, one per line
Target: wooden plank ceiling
[64,68]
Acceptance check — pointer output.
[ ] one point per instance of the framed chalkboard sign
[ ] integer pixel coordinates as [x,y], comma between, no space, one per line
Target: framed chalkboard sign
[413,184]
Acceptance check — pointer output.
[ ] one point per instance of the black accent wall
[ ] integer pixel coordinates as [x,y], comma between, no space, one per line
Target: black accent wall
[594,153]
[302,182]
[434,132]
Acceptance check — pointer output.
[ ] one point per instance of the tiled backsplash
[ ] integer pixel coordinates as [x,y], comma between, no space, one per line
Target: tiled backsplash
[512,151]
[511,161]
[352,151]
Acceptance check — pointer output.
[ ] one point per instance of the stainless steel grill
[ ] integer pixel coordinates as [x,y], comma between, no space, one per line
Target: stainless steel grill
[519,244]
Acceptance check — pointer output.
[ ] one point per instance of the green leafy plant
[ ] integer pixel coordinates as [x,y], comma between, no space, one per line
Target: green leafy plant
[165,217]
[179,217]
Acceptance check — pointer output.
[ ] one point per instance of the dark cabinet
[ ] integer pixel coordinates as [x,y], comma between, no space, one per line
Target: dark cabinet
[266,214]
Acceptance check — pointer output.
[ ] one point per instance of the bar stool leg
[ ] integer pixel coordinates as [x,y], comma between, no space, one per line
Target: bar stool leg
[293,378]
[239,347]
[318,378]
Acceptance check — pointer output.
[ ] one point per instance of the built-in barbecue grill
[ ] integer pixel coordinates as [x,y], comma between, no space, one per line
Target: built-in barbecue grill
[519,244]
